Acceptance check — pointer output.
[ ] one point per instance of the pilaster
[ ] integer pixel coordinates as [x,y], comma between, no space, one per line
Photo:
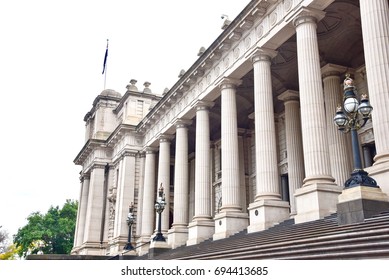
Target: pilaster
[82,209]
[148,212]
[94,213]
[125,196]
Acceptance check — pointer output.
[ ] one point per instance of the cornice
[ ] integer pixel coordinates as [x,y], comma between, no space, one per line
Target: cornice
[88,147]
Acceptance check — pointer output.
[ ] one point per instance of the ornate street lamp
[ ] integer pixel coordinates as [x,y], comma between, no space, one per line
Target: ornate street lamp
[130,222]
[159,207]
[353,116]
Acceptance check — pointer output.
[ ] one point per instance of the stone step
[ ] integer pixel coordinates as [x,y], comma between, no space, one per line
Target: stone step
[242,244]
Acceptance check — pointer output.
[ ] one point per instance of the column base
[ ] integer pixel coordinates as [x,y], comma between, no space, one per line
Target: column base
[143,245]
[93,248]
[117,244]
[157,247]
[177,236]
[129,253]
[200,230]
[380,172]
[359,203]
[316,201]
[229,223]
[266,213]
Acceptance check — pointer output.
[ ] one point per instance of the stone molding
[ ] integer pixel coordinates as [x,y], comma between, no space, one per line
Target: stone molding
[289,95]
[229,83]
[308,15]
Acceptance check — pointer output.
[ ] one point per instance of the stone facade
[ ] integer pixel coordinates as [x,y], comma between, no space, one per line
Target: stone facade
[245,138]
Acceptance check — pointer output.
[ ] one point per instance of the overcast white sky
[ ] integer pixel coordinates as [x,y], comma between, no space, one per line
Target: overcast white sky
[50,72]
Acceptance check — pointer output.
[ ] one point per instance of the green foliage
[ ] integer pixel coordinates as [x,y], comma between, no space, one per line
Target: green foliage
[10,253]
[7,251]
[52,233]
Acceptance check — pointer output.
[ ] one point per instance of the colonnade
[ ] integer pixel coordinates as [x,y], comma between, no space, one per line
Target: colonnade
[318,161]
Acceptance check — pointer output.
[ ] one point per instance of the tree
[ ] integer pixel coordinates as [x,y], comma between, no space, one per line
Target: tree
[52,233]
[3,238]
[7,252]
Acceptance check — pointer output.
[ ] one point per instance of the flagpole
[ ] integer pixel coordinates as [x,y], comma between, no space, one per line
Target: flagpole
[105,64]
[105,76]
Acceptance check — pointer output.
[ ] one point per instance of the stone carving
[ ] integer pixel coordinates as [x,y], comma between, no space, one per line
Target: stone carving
[112,204]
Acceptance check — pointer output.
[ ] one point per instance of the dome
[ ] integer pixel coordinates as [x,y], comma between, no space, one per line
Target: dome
[110,93]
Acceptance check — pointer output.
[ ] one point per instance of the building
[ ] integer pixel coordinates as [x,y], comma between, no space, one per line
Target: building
[245,138]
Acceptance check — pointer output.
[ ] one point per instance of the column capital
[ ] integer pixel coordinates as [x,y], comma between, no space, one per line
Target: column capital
[141,154]
[165,138]
[203,105]
[181,123]
[289,95]
[98,165]
[129,153]
[262,54]
[84,176]
[329,70]
[150,150]
[308,15]
[226,83]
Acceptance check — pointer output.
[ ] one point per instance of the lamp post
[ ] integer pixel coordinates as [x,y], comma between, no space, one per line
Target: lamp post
[159,207]
[130,222]
[353,116]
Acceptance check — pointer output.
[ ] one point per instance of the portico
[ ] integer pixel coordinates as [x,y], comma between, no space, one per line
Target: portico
[256,107]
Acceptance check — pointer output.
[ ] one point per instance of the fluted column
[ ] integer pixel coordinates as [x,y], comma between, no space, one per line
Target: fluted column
[268,182]
[202,175]
[230,219]
[318,196]
[164,177]
[192,163]
[94,213]
[242,176]
[375,32]
[230,147]
[148,212]
[338,142]
[313,123]
[202,226]
[82,207]
[178,235]
[267,207]
[294,144]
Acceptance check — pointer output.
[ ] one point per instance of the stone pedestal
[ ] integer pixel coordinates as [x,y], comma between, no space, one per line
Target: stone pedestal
[315,202]
[229,223]
[129,253]
[359,203]
[157,247]
[380,172]
[177,236]
[200,230]
[266,213]
[142,246]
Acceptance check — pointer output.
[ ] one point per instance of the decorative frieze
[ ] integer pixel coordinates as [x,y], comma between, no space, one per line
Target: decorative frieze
[230,49]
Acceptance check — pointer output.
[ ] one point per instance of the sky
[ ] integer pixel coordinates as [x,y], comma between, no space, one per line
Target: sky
[51,62]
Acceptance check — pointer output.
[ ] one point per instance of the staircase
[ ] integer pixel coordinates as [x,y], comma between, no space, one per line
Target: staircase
[320,239]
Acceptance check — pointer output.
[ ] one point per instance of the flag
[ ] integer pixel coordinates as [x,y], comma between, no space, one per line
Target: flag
[105,58]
